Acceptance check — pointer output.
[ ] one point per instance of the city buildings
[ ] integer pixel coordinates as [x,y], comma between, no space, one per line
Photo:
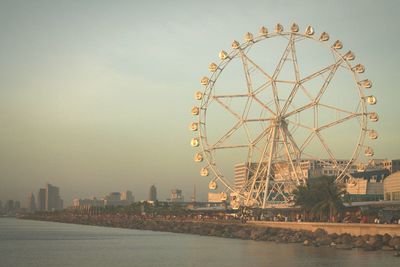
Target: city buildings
[124,198]
[366,183]
[176,195]
[153,193]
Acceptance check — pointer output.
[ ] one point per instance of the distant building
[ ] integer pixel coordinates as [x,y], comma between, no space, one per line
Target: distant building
[31,203]
[42,199]
[391,187]
[127,196]
[153,193]
[53,201]
[176,195]
[9,206]
[49,199]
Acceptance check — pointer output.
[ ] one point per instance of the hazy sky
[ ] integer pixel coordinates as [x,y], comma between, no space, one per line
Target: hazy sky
[95,96]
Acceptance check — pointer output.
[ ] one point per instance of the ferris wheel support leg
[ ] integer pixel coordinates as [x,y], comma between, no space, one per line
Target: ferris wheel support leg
[267,178]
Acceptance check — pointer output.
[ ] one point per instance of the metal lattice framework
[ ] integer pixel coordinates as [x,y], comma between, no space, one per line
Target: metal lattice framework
[280,119]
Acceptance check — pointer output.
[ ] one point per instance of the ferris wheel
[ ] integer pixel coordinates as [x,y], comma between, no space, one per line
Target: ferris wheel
[279,109]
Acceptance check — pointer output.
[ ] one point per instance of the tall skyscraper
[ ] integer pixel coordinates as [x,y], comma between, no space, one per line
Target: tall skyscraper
[42,199]
[49,198]
[153,193]
[31,203]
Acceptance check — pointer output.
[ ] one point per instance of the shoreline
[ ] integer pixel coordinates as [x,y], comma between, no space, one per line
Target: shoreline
[233,229]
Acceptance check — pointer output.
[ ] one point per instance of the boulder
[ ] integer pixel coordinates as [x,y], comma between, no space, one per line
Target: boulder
[324,240]
[394,241]
[307,242]
[319,232]
[386,239]
[359,243]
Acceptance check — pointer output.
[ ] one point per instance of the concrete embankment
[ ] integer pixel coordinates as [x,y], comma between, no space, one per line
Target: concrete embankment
[258,231]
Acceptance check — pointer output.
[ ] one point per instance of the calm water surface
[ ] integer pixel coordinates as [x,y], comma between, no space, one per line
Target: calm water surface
[34,243]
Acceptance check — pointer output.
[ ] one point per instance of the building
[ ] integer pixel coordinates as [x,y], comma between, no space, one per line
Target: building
[42,199]
[391,187]
[31,208]
[49,199]
[53,201]
[176,195]
[127,196]
[153,193]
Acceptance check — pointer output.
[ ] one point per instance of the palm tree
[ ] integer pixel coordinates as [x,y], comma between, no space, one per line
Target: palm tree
[321,196]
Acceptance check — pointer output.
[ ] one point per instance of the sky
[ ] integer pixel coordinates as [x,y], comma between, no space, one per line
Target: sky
[95,96]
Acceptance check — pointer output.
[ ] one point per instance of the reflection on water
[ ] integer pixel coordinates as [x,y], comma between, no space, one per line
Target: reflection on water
[33,243]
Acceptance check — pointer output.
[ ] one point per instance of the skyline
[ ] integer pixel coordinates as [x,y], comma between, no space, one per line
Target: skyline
[96,95]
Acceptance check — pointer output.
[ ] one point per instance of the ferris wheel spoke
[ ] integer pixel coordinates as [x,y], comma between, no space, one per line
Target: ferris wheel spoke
[290,98]
[300,125]
[349,117]
[228,108]
[263,105]
[246,72]
[228,147]
[246,57]
[325,145]
[336,108]
[262,87]
[322,71]
[326,83]
[230,96]
[294,59]
[228,134]
[293,112]
[307,141]
[282,59]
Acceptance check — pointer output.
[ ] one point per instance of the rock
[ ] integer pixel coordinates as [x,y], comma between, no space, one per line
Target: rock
[365,237]
[359,243]
[325,240]
[258,234]
[387,248]
[345,239]
[307,242]
[376,242]
[394,241]
[344,246]
[319,232]
[397,254]
[386,239]
[333,244]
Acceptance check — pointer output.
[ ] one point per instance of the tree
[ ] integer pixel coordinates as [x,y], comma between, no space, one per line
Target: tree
[321,196]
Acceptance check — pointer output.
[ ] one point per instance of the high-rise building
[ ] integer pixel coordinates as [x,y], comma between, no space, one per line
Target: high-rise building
[176,195]
[127,197]
[42,199]
[153,193]
[49,198]
[53,201]
[31,203]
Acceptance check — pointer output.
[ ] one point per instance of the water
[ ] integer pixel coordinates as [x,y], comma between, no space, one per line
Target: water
[34,243]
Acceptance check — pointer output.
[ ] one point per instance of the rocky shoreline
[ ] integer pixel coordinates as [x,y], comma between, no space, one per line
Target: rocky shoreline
[233,229]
